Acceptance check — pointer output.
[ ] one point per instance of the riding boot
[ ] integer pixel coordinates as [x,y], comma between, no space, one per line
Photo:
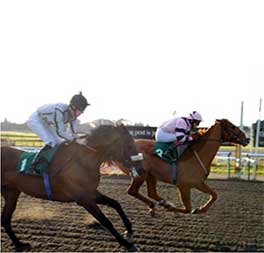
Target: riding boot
[170,150]
[38,157]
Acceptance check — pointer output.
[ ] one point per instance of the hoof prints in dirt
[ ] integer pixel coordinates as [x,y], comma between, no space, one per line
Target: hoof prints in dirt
[234,223]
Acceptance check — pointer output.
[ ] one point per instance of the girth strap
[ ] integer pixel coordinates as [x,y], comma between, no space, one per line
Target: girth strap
[174,173]
[47,185]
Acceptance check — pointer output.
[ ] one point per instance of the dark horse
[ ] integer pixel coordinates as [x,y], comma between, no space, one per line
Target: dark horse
[76,180]
[193,168]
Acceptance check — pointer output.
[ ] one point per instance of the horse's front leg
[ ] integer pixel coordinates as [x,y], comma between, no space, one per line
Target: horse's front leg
[104,200]
[213,196]
[185,196]
[92,208]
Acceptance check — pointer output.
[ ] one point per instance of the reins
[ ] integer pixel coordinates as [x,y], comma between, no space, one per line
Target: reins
[90,148]
[85,145]
[57,171]
[198,157]
[209,139]
[200,161]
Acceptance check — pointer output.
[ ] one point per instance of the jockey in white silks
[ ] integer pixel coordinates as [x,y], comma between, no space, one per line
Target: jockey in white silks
[178,131]
[50,121]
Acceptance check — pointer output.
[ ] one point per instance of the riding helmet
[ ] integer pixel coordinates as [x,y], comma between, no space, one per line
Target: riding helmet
[195,116]
[79,101]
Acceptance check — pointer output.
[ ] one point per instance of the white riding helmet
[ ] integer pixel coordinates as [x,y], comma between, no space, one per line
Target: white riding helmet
[195,116]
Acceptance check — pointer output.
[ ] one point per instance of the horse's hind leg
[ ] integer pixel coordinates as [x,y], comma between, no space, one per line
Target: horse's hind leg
[213,196]
[104,200]
[10,196]
[133,190]
[92,208]
[152,193]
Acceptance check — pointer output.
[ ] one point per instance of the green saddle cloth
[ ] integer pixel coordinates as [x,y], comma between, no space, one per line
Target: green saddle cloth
[161,147]
[27,157]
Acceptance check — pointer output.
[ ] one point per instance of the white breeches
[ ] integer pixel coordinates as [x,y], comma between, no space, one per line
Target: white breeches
[162,136]
[45,132]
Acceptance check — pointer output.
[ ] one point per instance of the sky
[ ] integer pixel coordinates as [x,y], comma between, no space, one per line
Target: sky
[144,61]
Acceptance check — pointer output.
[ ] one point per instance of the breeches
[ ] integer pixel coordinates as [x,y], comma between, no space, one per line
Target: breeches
[162,136]
[45,132]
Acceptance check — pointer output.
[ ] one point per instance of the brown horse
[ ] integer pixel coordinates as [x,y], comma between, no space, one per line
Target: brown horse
[74,176]
[193,167]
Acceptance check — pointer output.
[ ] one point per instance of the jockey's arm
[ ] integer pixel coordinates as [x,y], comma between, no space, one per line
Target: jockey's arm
[60,126]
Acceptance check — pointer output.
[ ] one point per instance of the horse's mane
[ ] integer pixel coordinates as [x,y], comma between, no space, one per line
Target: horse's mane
[98,134]
[105,133]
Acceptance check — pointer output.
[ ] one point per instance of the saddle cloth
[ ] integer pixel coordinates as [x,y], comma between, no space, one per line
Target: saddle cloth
[161,147]
[27,157]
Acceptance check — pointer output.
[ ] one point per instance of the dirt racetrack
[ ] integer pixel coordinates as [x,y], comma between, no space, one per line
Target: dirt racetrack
[234,223]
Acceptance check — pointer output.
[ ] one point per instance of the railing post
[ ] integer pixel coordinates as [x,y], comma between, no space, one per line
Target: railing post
[228,165]
[248,166]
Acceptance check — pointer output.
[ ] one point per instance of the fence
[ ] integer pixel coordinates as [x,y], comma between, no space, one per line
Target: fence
[250,161]
[254,159]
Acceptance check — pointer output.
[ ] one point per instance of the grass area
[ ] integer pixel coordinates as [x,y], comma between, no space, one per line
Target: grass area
[222,169]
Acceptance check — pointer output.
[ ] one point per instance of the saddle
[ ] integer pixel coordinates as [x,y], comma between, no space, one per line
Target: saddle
[27,157]
[161,148]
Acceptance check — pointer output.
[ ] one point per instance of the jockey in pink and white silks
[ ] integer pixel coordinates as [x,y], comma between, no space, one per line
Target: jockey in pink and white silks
[178,131]
[50,121]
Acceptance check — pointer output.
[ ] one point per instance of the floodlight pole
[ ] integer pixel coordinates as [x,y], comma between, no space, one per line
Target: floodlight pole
[257,141]
[238,146]
[241,127]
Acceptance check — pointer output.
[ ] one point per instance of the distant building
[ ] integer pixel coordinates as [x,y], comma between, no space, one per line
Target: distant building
[261,133]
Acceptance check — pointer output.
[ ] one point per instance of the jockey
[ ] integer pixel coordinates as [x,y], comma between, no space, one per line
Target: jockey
[179,131]
[49,122]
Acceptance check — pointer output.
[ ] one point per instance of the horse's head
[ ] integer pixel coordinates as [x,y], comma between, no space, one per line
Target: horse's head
[231,133]
[115,144]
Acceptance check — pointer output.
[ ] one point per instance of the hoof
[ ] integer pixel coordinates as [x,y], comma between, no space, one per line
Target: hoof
[152,212]
[133,248]
[167,204]
[128,237]
[196,211]
[162,203]
[23,247]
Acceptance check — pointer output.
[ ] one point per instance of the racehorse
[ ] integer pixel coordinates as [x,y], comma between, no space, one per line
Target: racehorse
[74,176]
[193,168]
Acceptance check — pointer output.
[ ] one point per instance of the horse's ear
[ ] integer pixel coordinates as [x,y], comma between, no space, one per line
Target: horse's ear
[118,124]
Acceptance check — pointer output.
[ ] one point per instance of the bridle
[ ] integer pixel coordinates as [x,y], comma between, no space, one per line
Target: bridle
[231,132]
[220,140]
